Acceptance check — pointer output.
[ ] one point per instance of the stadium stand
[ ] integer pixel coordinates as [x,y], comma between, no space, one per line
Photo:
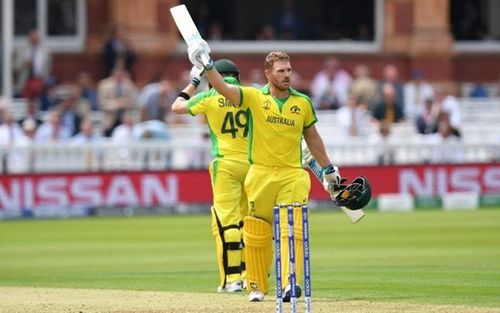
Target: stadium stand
[188,148]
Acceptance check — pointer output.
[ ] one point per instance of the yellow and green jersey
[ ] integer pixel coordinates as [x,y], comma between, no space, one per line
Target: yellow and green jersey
[276,126]
[228,125]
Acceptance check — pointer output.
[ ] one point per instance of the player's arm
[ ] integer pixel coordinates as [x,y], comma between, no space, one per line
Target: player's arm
[316,146]
[180,105]
[199,56]
[331,174]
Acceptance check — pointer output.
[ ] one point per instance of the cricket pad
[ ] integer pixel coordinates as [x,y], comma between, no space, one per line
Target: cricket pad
[258,236]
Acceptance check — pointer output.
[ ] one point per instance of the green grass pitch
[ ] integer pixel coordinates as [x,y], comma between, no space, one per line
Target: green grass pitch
[432,256]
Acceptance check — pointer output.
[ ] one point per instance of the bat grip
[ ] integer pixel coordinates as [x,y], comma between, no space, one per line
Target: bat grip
[205,60]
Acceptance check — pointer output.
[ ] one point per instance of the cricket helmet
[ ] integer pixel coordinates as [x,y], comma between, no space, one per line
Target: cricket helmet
[225,67]
[355,195]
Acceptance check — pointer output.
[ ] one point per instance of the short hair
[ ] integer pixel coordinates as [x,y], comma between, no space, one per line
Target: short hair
[274,57]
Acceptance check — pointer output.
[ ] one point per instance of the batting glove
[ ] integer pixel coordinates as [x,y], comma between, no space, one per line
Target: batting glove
[196,74]
[332,182]
[199,55]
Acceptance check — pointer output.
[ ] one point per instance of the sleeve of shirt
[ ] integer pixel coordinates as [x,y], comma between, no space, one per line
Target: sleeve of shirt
[247,93]
[310,114]
[198,103]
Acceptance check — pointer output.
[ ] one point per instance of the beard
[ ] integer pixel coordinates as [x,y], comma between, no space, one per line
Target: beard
[281,85]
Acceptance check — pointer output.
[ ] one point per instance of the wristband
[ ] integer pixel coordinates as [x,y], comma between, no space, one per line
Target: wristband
[328,169]
[184,95]
[195,82]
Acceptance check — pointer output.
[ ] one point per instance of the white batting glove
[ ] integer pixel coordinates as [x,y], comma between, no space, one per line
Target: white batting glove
[332,180]
[196,74]
[199,55]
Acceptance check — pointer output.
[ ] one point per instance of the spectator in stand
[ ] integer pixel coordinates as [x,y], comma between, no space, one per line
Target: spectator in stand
[122,134]
[353,118]
[10,131]
[443,115]
[116,94]
[416,91]
[330,86]
[49,98]
[92,155]
[152,85]
[32,68]
[29,127]
[118,51]
[385,144]
[52,130]
[32,112]
[290,25]
[363,87]
[86,134]
[20,159]
[426,121]
[445,102]
[155,105]
[390,76]
[152,129]
[478,91]
[71,108]
[389,109]
[88,90]
[445,140]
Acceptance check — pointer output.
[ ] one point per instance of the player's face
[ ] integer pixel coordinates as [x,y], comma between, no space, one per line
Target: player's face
[280,75]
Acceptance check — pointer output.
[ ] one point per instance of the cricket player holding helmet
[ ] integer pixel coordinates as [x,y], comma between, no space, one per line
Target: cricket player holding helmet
[279,117]
[228,133]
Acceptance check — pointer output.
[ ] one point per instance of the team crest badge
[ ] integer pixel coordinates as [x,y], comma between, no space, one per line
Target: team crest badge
[295,110]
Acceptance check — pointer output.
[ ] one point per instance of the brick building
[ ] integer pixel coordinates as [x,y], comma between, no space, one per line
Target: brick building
[408,33]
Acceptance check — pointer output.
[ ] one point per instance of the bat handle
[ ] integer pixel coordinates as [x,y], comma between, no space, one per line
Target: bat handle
[205,60]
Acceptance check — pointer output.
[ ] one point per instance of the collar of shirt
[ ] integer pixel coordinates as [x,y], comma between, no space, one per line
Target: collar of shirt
[231,80]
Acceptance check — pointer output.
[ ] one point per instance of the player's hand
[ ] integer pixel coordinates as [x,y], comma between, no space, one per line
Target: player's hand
[196,74]
[332,182]
[199,55]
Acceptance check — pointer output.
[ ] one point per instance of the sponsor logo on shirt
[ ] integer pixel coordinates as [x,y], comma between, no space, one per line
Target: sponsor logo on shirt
[280,120]
[267,105]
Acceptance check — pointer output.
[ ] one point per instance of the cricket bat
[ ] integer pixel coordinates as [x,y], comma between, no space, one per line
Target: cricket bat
[354,215]
[185,25]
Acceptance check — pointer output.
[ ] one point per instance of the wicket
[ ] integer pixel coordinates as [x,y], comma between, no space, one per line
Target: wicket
[291,256]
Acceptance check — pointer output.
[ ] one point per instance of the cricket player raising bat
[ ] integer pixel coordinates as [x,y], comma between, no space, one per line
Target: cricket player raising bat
[280,116]
[228,127]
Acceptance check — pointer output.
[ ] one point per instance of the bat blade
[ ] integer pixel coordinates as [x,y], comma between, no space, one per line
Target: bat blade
[185,24]
[354,215]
